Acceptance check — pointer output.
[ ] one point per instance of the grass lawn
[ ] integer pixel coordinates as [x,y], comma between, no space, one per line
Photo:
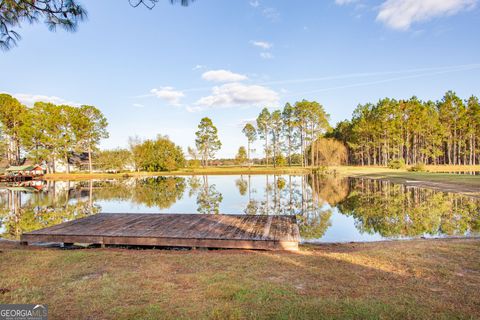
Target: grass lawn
[420,279]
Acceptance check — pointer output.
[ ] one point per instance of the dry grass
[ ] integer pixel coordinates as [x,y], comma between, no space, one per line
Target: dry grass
[422,279]
[450,168]
[379,169]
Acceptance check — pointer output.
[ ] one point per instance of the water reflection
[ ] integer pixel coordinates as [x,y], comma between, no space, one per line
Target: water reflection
[208,198]
[34,205]
[327,208]
[400,211]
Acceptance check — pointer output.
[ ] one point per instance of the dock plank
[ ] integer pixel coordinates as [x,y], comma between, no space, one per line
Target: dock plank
[190,230]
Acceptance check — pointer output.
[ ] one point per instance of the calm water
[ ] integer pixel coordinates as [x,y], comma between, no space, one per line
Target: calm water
[328,209]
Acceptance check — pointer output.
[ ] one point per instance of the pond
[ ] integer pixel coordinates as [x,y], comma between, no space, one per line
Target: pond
[328,209]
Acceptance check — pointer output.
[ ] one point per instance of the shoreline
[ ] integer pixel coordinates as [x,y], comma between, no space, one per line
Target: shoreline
[302,245]
[433,178]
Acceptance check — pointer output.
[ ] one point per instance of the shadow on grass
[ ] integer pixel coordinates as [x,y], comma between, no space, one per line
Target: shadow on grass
[362,281]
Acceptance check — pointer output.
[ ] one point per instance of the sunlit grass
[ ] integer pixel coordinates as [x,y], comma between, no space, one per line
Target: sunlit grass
[421,279]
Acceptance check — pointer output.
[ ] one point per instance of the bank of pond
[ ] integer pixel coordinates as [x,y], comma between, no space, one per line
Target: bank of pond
[328,209]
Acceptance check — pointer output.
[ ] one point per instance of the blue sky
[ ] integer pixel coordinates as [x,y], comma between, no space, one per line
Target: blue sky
[160,71]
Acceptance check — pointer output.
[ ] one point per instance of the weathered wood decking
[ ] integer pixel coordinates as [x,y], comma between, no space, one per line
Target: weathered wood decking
[178,230]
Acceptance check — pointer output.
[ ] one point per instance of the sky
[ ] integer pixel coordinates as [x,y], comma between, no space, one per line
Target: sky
[160,71]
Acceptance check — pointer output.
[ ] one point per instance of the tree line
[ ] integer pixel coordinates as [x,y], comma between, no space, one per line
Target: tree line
[413,132]
[404,131]
[47,132]
[290,131]
[161,154]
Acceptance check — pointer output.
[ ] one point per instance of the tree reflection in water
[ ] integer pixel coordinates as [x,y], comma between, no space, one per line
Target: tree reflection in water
[395,210]
[208,198]
[24,209]
[375,206]
[294,196]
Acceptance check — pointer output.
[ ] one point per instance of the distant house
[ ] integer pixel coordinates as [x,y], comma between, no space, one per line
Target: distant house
[26,171]
[77,161]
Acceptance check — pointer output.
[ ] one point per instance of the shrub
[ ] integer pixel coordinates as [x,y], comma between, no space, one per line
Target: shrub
[417,168]
[396,164]
[160,154]
[328,152]
[280,160]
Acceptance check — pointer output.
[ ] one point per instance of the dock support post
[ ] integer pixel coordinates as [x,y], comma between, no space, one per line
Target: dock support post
[24,243]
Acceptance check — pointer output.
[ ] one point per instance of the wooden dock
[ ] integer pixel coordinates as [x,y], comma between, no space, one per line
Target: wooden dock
[175,230]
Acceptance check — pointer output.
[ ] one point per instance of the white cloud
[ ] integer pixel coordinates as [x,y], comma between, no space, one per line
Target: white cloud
[138,105]
[254,3]
[223,76]
[168,94]
[400,14]
[198,67]
[232,94]
[266,55]
[262,44]
[30,99]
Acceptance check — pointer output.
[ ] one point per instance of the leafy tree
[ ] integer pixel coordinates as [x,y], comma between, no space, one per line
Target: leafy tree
[12,118]
[193,154]
[91,127]
[46,137]
[280,160]
[473,131]
[241,156]
[55,13]
[413,131]
[290,134]
[160,154]
[276,131]
[50,132]
[113,160]
[301,113]
[207,141]
[68,125]
[251,133]
[264,127]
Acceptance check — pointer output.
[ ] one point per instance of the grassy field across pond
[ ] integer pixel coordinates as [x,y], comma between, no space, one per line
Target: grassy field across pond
[237,170]
[418,279]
